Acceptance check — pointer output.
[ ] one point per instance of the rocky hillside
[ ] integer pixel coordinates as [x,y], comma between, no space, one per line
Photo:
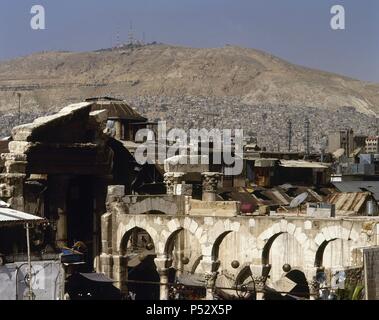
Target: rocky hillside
[48,81]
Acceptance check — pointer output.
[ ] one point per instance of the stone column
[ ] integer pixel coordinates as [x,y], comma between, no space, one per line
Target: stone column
[172,179]
[163,287]
[57,191]
[179,253]
[314,286]
[118,129]
[169,181]
[106,264]
[259,284]
[314,289]
[259,275]
[120,273]
[163,263]
[12,181]
[210,268]
[210,279]
[210,182]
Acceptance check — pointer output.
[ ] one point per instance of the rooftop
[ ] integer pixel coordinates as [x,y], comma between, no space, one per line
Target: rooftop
[117,109]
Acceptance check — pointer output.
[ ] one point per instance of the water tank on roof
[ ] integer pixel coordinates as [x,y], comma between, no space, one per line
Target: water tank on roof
[371,208]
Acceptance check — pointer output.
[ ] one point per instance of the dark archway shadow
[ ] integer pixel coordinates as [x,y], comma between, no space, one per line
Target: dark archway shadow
[143,278]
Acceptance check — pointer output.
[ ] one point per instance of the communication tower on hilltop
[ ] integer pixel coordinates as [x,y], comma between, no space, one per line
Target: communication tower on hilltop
[131,34]
[118,41]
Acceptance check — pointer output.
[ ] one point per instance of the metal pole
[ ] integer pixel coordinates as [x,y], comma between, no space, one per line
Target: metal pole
[19,107]
[307,136]
[289,135]
[30,294]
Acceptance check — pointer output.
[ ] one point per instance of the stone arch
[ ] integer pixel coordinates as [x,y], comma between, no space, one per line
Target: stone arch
[157,205]
[170,242]
[296,243]
[191,231]
[140,273]
[330,234]
[137,222]
[126,237]
[196,264]
[216,245]
[267,247]
[217,234]
[267,237]
[320,253]
[175,227]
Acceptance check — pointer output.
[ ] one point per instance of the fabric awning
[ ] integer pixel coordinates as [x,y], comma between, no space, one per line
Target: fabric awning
[10,217]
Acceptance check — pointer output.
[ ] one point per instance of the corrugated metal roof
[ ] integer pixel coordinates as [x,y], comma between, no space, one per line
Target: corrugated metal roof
[117,109]
[276,196]
[302,164]
[359,186]
[349,201]
[14,217]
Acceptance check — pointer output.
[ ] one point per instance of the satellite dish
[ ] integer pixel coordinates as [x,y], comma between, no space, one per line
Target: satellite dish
[338,153]
[298,200]
[286,186]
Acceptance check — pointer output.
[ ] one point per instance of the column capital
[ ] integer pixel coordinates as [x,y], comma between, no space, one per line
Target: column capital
[163,263]
[210,183]
[259,283]
[314,289]
[259,274]
[171,179]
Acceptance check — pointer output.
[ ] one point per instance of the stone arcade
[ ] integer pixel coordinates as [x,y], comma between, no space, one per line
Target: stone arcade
[212,234]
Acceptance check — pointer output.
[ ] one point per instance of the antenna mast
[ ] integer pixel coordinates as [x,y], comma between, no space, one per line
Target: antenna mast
[289,135]
[307,137]
[131,35]
[118,42]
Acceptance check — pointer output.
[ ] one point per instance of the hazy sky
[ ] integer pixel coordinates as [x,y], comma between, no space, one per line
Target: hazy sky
[296,30]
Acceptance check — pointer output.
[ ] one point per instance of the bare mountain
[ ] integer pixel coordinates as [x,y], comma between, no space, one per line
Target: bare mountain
[51,79]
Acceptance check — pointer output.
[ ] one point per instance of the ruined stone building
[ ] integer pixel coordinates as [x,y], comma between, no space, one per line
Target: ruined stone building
[59,167]
[211,243]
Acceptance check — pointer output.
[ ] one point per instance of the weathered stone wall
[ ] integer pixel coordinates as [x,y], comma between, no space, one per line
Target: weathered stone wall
[304,242]
[371,270]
